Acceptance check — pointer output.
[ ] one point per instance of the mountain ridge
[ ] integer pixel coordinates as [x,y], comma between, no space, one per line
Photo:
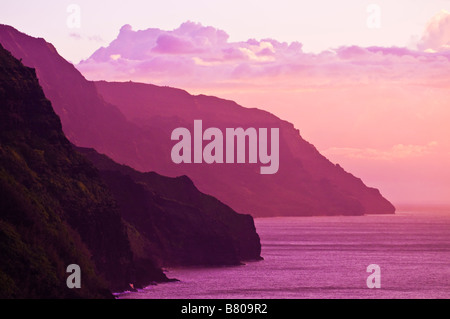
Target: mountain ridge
[197,220]
[307,183]
[61,205]
[147,106]
[53,204]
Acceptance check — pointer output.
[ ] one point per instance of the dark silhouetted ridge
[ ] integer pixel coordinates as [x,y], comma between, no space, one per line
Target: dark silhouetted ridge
[54,208]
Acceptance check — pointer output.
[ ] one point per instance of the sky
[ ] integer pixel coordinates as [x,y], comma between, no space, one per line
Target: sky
[366,82]
[319,24]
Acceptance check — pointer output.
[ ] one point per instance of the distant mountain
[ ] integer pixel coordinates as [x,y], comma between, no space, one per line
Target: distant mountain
[55,209]
[306,183]
[168,218]
[132,124]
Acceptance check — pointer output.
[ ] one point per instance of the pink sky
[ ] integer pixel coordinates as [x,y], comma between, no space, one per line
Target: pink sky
[318,25]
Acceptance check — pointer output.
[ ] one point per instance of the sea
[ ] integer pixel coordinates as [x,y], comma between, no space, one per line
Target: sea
[328,258]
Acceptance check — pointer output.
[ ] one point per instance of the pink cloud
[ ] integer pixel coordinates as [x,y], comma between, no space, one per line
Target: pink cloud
[170,44]
[206,56]
[437,34]
[192,45]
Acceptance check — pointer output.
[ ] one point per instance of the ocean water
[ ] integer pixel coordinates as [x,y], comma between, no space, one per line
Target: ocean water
[327,257]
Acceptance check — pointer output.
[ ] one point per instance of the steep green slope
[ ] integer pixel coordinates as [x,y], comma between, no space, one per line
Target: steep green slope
[54,208]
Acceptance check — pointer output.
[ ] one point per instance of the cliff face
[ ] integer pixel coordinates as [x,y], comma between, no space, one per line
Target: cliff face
[132,124]
[119,225]
[54,208]
[86,118]
[168,218]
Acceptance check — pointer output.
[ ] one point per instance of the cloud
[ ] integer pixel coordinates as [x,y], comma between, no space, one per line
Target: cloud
[203,50]
[437,34]
[169,44]
[399,151]
[204,56]
[115,57]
